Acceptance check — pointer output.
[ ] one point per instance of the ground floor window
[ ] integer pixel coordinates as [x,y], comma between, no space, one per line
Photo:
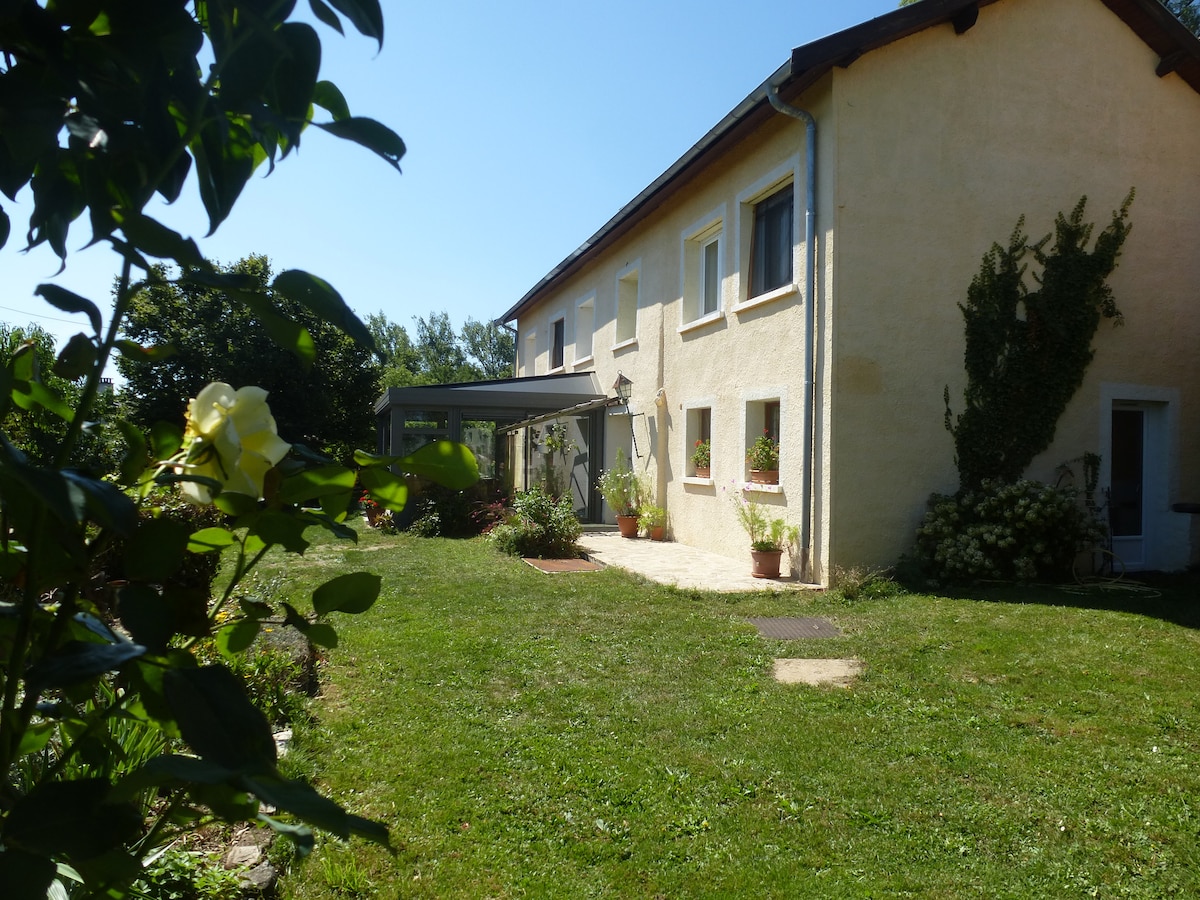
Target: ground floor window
[698,437]
[762,439]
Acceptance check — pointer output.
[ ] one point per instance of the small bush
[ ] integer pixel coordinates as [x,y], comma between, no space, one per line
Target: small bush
[1020,531]
[539,527]
[863,584]
[179,875]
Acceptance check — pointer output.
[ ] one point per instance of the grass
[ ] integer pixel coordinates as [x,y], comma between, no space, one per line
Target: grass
[595,735]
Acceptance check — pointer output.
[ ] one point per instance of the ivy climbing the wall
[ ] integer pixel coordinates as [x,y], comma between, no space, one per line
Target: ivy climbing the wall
[1027,350]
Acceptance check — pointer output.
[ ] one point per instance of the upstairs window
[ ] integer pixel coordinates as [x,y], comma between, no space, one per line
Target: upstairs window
[585,326]
[771,243]
[703,270]
[627,307]
[558,342]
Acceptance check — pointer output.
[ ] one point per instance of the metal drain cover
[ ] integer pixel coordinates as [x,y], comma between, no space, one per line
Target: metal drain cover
[794,628]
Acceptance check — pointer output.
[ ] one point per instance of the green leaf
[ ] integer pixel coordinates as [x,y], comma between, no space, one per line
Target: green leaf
[287,333]
[71,818]
[78,661]
[327,95]
[318,295]
[302,801]
[107,504]
[206,540]
[33,393]
[373,135]
[165,439]
[155,550]
[354,592]
[336,506]
[134,351]
[233,639]
[300,835]
[36,736]
[234,504]
[276,527]
[25,876]
[156,239]
[76,359]
[70,302]
[133,460]
[217,720]
[310,484]
[365,15]
[388,490]
[148,616]
[323,635]
[448,463]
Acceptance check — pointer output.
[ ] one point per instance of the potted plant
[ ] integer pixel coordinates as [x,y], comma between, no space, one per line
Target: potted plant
[702,458]
[653,520]
[622,492]
[763,457]
[769,537]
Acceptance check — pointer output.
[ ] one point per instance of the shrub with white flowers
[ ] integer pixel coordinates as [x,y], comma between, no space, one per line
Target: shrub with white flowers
[1024,530]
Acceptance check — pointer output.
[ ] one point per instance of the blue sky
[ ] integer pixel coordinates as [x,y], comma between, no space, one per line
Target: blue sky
[528,125]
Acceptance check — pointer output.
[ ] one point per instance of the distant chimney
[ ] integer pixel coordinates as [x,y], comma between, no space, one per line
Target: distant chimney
[106,385]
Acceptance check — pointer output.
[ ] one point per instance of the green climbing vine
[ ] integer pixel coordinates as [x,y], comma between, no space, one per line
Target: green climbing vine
[1027,350]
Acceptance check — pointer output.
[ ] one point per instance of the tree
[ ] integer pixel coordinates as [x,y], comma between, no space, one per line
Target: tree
[38,431]
[1027,351]
[394,351]
[490,347]
[482,352]
[1188,12]
[329,407]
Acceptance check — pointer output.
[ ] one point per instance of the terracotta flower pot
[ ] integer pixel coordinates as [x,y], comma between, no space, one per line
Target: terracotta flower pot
[628,526]
[658,533]
[703,471]
[764,476]
[765,563]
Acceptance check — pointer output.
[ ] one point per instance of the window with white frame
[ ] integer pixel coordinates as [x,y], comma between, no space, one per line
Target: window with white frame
[585,327]
[763,424]
[771,240]
[628,288]
[698,431]
[558,341]
[703,270]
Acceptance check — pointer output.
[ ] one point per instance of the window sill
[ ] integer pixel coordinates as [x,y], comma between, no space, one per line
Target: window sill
[624,345]
[698,482]
[788,290]
[751,488]
[584,361]
[557,370]
[708,319]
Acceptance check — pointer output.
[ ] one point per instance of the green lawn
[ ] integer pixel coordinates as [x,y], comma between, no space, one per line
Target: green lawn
[594,735]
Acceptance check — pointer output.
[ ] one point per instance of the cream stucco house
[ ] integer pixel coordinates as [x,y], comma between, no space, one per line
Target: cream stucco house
[798,270]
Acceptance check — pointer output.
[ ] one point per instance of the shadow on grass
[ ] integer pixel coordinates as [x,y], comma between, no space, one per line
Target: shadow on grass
[1172,597]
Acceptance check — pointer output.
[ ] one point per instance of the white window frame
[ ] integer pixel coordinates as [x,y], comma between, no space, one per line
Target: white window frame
[693,241]
[585,329]
[761,397]
[631,272]
[748,198]
[691,431]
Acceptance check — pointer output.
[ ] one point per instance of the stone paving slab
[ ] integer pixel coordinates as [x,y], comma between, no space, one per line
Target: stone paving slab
[667,562]
[835,672]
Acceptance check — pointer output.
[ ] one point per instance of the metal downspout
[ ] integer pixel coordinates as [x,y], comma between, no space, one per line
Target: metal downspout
[810,318]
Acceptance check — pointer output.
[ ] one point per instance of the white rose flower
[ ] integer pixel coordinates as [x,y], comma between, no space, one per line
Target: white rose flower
[231,437]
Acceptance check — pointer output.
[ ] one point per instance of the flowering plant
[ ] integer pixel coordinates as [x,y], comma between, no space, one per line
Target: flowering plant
[620,487]
[763,453]
[702,454]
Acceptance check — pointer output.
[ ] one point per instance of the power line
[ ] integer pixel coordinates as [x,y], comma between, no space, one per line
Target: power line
[39,316]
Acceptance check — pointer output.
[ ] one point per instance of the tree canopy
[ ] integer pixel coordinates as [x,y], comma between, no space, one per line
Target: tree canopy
[329,407]
[482,351]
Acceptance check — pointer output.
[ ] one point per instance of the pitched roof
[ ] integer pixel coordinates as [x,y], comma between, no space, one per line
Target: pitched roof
[1177,48]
